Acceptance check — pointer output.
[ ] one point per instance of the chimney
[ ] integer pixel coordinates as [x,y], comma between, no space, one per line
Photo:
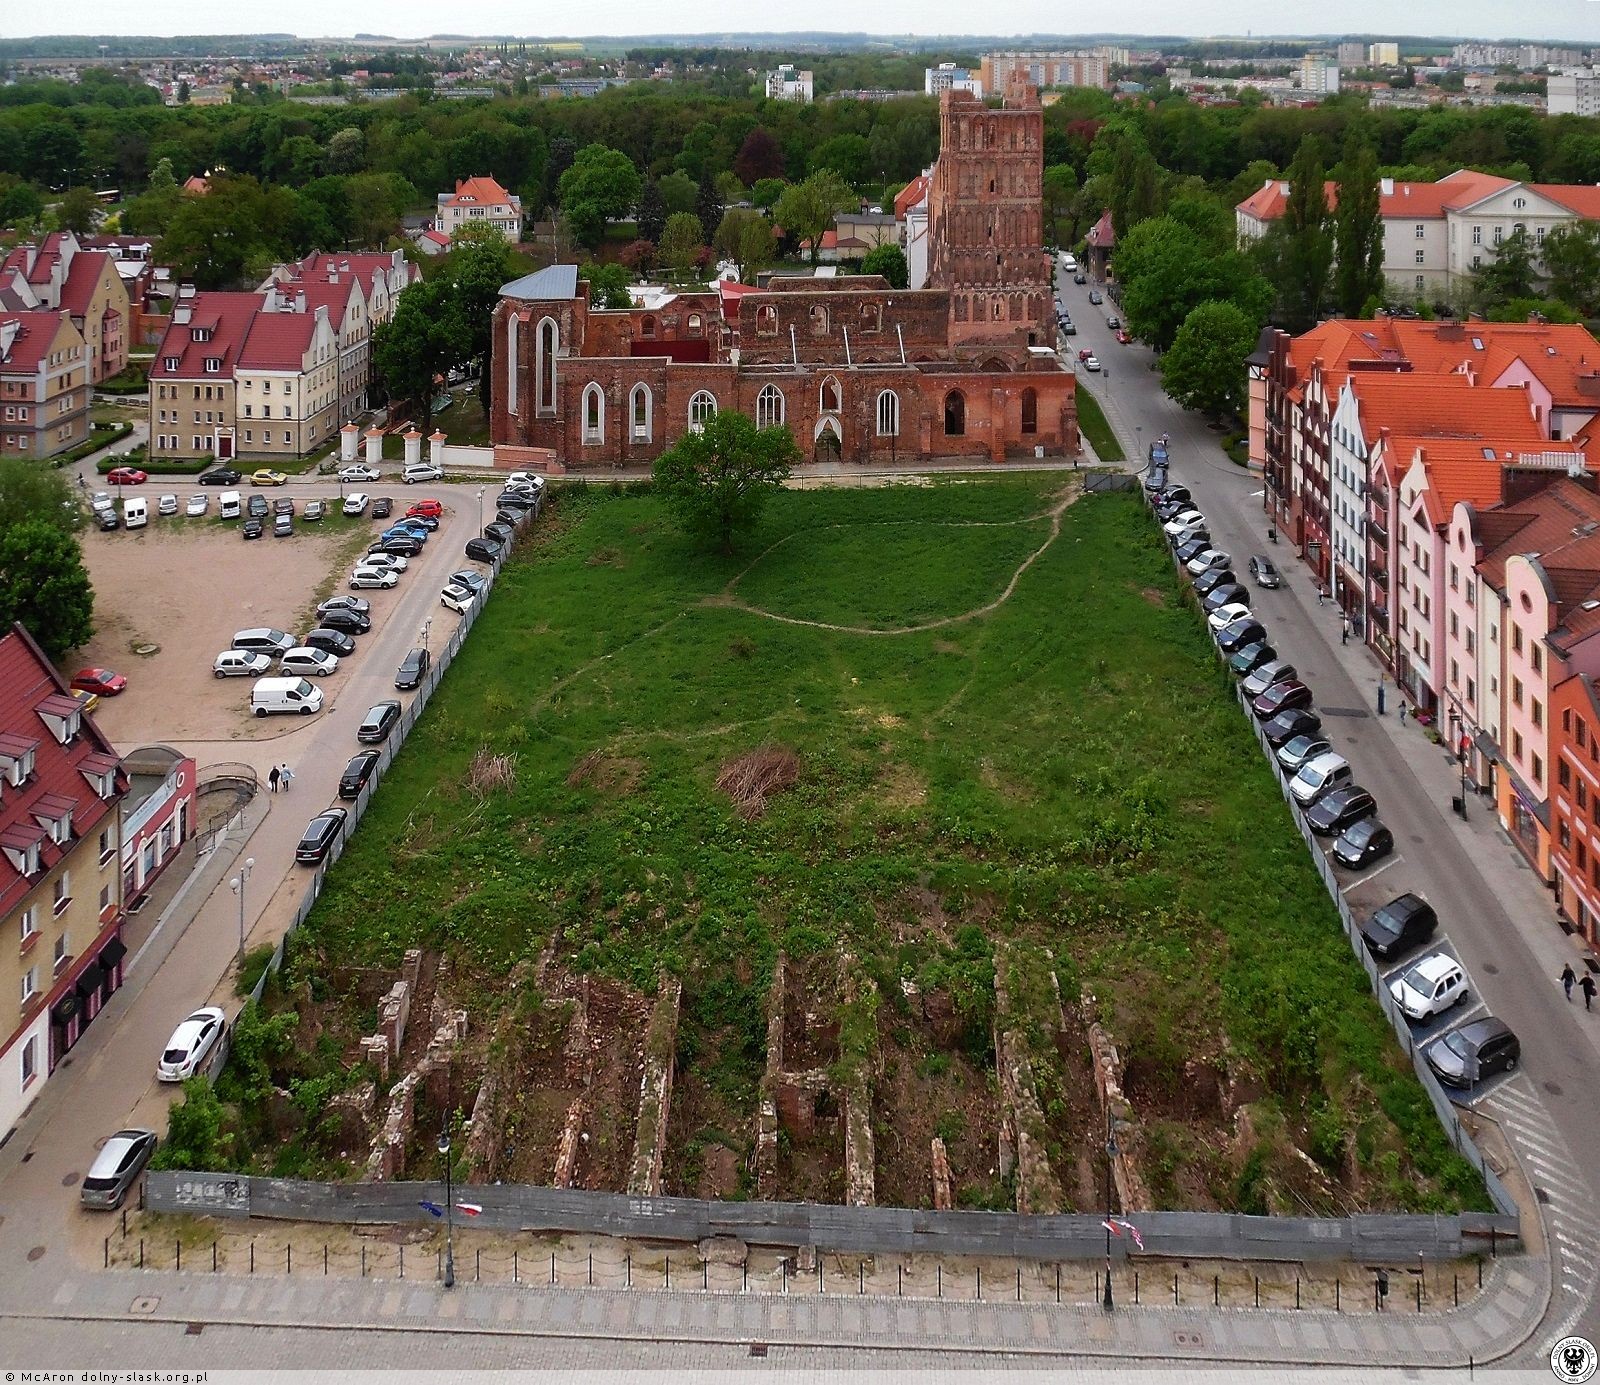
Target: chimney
[1386,187]
[1283,188]
[300,301]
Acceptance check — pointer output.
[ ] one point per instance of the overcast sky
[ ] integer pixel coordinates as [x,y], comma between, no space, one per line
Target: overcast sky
[1576,20]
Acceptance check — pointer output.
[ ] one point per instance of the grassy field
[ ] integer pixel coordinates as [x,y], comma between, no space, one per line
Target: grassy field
[1092,423]
[1065,780]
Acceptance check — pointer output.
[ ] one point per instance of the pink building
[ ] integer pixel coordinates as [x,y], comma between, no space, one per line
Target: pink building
[157,817]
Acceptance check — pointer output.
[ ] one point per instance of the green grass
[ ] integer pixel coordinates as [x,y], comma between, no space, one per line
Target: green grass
[463,422]
[1092,424]
[1070,771]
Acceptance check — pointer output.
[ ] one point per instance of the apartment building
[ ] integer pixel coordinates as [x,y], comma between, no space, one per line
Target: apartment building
[788,83]
[1573,93]
[1383,55]
[61,953]
[949,77]
[44,384]
[1075,69]
[1575,802]
[60,275]
[286,384]
[1319,76]
[476,202]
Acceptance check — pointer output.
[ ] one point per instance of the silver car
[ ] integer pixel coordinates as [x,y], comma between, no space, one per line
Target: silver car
[117,1167]
[310,663]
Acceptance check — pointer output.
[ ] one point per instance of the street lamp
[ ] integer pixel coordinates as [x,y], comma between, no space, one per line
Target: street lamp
[236,884]
[481,490]
[425,627]
[449,1212]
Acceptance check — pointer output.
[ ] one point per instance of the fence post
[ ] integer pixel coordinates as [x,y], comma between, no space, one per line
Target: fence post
[552,1267]
[980,1283]
[108,1253]
[938,1273]
[1258,1290]
[1174,1288]
[630,1270]
[1297,1293]
[252,1257]
[1216,1291]
[141,1252]
[477,1265]
[363,1262]
[667,1268]
[591,1269]
[402,1261]
[516,1275]
[1019,1283]
[177,1253]
[705,1274]
[744,1287]
[324,1259]
[288,1257]
[861,1277]
[1336,1307]
[1058,1285]
[1136,1288]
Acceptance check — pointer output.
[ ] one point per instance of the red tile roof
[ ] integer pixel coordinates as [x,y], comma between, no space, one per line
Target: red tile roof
[226,315]
[1444,407]
[476,192]
[83,277]
[1544,523]
[278,341]
[26,681]
[32,342]
[1422,200]
[911,194]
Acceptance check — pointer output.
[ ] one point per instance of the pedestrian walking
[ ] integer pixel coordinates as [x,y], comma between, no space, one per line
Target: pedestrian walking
[1568,979]
[285,774]
[272,780]
[1344,631]
[1587,986]
[1402,711]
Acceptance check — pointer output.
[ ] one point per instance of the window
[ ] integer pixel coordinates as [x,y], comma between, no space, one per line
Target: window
[1030,411]
[29,924]
[62,891]
[1499,234]
[1477,235]
[1538,712]
[1536,657]
[1538,770]
[549,344]
[594,414]
[955,414]
[828,396]
[701,408]
[30,984]
[640,408]
[1422,256]
[766,321]
[1420,283]
[888,414]
[1564,835]
[60,953]
[1564,774]
[1583,790]
[1516,691]
[818,317]
[769,407]
[1421,231]
[1516,638]
[30,1061]
[1516,745]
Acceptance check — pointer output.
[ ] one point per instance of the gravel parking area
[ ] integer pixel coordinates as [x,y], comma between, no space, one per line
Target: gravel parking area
[185,587]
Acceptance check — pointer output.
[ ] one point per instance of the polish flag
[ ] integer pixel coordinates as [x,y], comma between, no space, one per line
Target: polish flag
[470,1209]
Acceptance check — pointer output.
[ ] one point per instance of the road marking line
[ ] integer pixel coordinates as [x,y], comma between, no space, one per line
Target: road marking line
[1372,874]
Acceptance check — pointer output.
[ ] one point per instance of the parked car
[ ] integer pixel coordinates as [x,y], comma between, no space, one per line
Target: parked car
[516,500]
[359,471]
[1429,986]
[424,509]
[1123,339]
[308,662]
[421,471]
[87,701]
[483,550]
[373,579]
[401,544]
[1282,697]
[1094,297]
[320,834]
[357,772]
[1239,634]
[1362,843]
[1175,493]
[427,523]
[283,527]
[1189,548]
[456,599]
[167,504]
[1405,922]
[283,505]
[1228,594]
[256,507]
[107,520]
[343,618]
[388,562]
[413,669]
[1283,728]
[1249,658]
[406,530]
[1080,278]
[1264,573]
[102,500]
[359,604]
[1207,560]
[1274,671]
[1091,363]
[219,476]
[1225,616]
[1067,329]
[1316,777]
[117,1167]
[126,476]
[1338,808]
[240,663]
[382,507]
[1301,749]
[192,1042]
[263,639]
[315,510]
[333,641]
[531,479]
[1476,1050]
[266,476]
[1208,582]
[469,578]
[99,680]
[197,506]
[1113,321]
[378,722]
[355,503]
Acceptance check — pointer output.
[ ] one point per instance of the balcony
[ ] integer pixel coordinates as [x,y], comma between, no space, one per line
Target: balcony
[1378,531]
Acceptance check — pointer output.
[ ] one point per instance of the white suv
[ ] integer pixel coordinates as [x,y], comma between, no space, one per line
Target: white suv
[1429,986]
[1316,777]
[421,471]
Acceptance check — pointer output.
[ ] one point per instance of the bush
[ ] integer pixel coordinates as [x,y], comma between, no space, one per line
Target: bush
[161,466]
[132,380]
[98,437]
[255,962]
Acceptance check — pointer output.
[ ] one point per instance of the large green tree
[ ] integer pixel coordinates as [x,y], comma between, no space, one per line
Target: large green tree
[681,243]
[888,260]
[1572,260]
[718,479]
[232,235]
[1166,271]
[30,491]
[418,344]
[1510,275]
[806,210]
[1296,254]
[602,185]
[44,585]
[478,266]
[1358,231]
[608,285]
[745,237]
[1060,195]
[1205,369]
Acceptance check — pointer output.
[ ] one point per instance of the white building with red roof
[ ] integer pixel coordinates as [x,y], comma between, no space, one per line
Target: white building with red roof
[476,201]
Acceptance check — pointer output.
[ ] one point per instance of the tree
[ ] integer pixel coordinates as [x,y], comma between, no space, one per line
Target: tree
[745,237]
[347,150]
[681,243]
[679,192]
[807,209]
[608,285]
[1166,270]
[765,192]
[758,157]
[847,155]
[1572,260]
[20,203]
[708,206]
[30,491]
[162,178]
[43,585]
[479,263]
[717,479]
[183,93]
[1060,191]
[231,235]
[652,220]
[1298,251]
[1358,231]
[79,211]
[888,260]
[194,1130]
[1205,367]
[1509,275]
[416,346]
[602,185]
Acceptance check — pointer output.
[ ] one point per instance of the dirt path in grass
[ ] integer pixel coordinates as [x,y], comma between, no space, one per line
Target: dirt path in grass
[1072,490]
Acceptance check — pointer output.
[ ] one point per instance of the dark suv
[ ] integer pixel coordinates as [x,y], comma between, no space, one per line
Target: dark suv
[331,641]
[1403,923]
[378,722]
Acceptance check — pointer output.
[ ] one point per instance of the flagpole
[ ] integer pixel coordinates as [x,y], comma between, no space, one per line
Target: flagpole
[449,1217]
[1111,1149]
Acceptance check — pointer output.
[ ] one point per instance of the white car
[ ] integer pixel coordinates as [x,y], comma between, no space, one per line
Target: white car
[359,472]
[1429,986]
[198,505]
[167,505]
[1224,616]
[387,562]
[315,663]
[457,599]
[101,500]
[529,479]
[1091,363]
[191,1044]
[421,471]
[240,663]
[376,578]
[1188,519]
[356,503]
[1315,777]
[1204,561]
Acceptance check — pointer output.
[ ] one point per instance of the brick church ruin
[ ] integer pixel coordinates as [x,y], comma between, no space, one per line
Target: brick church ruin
[859,371]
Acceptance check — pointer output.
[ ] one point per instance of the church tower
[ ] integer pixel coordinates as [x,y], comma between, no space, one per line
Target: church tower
[985,224]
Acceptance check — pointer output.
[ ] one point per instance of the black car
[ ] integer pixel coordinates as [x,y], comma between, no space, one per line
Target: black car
[1251,657]
[1225,595]
[253,528]
[1282,697]
[1212,578]
[500,533]
[483,550]
[1175,493]
[1240,633]
[511,517]
[219,476]
[428,522]
[1191,548]
[382,507]
[1405,922]
[1068,330]
[413,668]
[1283,728]
[359,604]
[257,508]
[1478,1049]
[1094,296]
[400,545]
[107,520]
[1265,574]
[1362,843]
[1080,278]
[378,722]
[342,618]
[357,772]
[1338,808]
[283,505]
[516,500]
[329,640]
[320,834]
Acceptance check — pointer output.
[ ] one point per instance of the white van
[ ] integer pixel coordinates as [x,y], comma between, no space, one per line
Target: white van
[285,695]
[135,512]
[229,505]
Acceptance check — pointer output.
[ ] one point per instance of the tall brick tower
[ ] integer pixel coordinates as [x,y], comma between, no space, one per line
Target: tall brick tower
[985,224]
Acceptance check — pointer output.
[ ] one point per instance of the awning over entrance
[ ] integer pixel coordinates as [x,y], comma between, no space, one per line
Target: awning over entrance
[66,1008]
[89,982]
[112,953]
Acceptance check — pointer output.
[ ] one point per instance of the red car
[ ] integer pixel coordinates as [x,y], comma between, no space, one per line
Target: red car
[1122,335]
[126,476]
[428,509]
[98,680]
[1085,353]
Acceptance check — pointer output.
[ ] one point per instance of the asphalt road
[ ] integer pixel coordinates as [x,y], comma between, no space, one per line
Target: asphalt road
[1495,914]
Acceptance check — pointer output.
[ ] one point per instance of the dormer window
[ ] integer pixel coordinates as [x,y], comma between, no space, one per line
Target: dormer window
[16,759]
[63,715]
[170,363]
[53,812]
[101,772]
[22,847]
[200,334]
[213,364]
